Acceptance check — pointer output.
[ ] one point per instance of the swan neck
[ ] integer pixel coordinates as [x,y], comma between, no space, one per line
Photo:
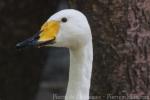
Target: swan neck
[80,73]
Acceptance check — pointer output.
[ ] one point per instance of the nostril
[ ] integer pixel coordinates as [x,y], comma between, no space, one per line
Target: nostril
[36,36]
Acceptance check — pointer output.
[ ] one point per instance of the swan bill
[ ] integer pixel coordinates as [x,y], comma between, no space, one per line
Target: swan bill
[44,37]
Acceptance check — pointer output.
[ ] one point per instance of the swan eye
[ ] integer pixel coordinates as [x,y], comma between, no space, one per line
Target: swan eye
[64,19]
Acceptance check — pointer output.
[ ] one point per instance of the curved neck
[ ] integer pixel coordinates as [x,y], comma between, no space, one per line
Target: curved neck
[80,73]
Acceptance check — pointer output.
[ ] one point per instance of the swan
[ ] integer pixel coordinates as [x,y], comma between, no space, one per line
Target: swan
[69,28]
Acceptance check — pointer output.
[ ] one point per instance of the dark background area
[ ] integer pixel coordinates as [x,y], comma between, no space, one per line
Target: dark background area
[23,72]
[121,34]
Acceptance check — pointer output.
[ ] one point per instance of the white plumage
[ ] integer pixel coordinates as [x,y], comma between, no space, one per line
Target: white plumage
[76,35]
[69,28]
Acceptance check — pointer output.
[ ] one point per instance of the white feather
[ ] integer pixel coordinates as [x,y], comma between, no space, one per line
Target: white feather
[75,34]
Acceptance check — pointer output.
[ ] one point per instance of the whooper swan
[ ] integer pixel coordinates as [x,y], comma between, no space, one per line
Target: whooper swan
[69,28]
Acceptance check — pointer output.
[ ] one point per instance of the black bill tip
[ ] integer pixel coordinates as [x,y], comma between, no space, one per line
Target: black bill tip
[18,45]
[27,44]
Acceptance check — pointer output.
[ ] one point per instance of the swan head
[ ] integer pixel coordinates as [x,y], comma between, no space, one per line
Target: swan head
[66,28]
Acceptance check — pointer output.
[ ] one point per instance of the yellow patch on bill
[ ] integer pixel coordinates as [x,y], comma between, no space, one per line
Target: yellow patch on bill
[49,31]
